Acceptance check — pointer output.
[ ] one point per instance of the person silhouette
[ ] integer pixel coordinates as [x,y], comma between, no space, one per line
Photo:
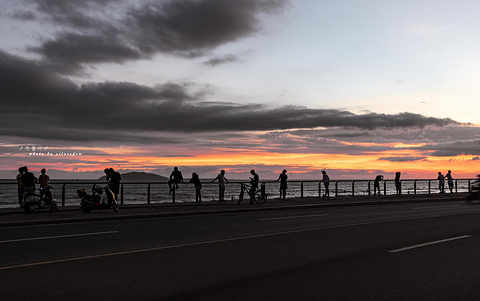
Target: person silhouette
[28,180]
[376,184]
[113,183]
[449,178]
[43,179]
[326,183]
[20,185]
[175,178]
[283,183]
[398,183]
[221,185]
[441,182]
[198,186]
[254,182]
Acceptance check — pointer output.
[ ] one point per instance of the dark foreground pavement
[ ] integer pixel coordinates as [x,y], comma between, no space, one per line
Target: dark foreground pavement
[396,251]
[16,216]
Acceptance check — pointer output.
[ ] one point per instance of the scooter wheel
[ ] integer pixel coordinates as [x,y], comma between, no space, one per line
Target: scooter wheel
[115,207]
[54,207]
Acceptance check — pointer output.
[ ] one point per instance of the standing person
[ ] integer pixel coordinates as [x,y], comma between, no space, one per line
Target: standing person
[221,185]
[254,182]
[175,178]
[449,178]
[398,183]
[28,180]
[107,174]
[198,186]
[113,181]
[376,184]
[43,179]
[283,183]
[20,185]
[441,182]
[326,183]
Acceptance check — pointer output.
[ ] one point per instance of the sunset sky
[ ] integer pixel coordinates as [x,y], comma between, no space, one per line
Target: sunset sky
[356,88]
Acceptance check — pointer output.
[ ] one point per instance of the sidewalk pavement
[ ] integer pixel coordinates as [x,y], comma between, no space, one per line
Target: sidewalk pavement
[17,217]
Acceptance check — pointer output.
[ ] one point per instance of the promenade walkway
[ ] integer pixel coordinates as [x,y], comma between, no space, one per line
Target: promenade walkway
[17,217]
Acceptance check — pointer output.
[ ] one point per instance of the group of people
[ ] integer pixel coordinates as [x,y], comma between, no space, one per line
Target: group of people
[441,182]
[283,183]
[376,183]
[176,177]
[26,181]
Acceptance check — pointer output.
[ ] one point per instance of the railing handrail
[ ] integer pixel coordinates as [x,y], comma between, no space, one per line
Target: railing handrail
[206,181]
[64,183]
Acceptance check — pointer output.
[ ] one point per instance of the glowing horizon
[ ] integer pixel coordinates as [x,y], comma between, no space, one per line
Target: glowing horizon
[240,162]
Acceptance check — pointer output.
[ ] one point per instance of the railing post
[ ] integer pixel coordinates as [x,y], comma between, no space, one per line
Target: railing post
[456,190]
[385,187]
[353,188]
[336,188]
[469,189]
[319,189]
[369,188]
[415,187]
[429,186]
[301,190]
[240,197]
[148,193]
[173,193]
[63,195]
[121,194]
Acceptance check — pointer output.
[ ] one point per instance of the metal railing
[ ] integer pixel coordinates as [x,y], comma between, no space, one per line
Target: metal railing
[306,188]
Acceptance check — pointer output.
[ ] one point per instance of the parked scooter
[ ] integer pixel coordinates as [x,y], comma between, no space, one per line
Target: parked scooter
[33,201]
[101,198]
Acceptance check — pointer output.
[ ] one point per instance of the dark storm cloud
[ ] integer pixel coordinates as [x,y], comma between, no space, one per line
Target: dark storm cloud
[37,102]
[106,31]
[456,148]
[407,135]
[69,51]
[358,141]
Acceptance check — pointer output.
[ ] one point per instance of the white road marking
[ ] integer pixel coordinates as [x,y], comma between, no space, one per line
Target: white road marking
[58,236]
[292,217]
[429,244]
[436,207]
[221,241]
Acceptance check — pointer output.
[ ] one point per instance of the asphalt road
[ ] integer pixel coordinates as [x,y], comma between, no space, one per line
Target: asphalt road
[423,251]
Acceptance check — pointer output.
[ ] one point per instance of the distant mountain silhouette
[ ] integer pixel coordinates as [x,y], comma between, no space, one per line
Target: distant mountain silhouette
[139,177]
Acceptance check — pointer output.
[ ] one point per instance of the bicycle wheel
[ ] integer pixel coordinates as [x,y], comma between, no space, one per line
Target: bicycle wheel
[258,197]
[240,197]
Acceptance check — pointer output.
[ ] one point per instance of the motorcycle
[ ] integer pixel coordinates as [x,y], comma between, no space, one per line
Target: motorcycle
[101,198]
[33,201]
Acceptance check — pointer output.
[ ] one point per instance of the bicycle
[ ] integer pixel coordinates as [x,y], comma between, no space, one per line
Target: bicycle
[259,195]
